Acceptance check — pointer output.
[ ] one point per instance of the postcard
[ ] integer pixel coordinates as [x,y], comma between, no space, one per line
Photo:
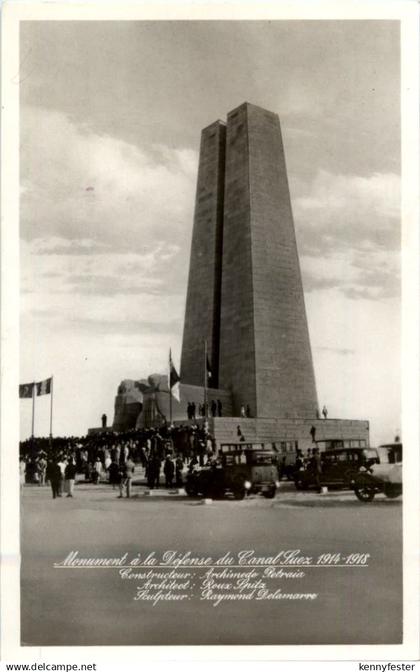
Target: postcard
[210,328]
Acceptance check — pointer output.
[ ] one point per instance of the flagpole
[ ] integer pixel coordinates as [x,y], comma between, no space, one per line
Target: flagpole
[170,390]
[205,378]
[51,405]
[33,408]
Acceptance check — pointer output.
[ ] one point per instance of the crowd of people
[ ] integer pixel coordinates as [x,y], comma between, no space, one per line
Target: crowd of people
[113,457]
[164,454]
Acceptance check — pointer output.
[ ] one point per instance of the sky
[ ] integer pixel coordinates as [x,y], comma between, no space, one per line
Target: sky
[111,115]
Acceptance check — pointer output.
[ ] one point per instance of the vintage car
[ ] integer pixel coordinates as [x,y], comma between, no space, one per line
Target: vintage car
[385,477]
[338,468]
[289,455]
[241,469]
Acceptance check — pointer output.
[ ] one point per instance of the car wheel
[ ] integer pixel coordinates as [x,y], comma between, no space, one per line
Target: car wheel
[190,490]
[238,491]
[270,494]
[364,493]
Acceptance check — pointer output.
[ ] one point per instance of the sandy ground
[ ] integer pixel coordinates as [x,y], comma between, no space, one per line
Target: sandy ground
[96,607]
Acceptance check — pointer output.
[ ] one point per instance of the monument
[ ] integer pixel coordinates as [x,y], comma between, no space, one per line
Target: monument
[245,295]
[245,317]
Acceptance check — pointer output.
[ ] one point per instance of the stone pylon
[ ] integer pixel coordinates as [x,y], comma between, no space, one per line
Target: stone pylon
[202,315]
[245,289]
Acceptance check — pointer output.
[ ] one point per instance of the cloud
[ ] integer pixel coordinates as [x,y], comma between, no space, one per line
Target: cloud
[348,230]
[371,275]
[104,229]
[339,351]
[108,292]
[338,211]
[97,190]
[62,246]
[133,327]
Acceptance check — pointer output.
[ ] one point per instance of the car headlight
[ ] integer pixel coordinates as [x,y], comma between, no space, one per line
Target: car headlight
[277,484]
[247,485]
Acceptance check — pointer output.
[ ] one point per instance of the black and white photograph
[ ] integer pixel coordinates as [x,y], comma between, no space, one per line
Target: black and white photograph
[210,348]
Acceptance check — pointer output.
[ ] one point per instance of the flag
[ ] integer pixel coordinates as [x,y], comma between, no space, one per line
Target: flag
[208,369]
[173,379]
[26,391]
[44,387]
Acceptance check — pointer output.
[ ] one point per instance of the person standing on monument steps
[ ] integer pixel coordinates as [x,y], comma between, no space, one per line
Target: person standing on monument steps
[213,408]
[325,412]
[219,408]
[313,433]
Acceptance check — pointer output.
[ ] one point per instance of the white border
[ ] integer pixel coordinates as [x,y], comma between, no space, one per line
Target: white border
[13,13]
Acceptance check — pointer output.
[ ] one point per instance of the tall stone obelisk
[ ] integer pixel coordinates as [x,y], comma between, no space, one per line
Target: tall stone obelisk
[265,352]
[202,315]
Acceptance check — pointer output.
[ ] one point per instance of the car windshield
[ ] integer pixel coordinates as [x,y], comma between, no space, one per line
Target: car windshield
[261,458]
[370,454]
[390,454]
[383,455]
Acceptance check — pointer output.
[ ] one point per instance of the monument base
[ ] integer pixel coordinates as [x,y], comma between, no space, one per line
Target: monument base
[287,433]
[99,430]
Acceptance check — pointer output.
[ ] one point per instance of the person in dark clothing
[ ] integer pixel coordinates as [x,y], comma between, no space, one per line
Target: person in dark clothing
[201,451]
[213,408]
[151,476]
[281,467]
[54,476]
[104,419]
[179,465]
[192,410]
[316,468]
[70,477]
[157,465]
[219,408]
[299,460]
[114,474]
[313,433]
[193,464]
[153,473]
[248,411]
[169,470]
